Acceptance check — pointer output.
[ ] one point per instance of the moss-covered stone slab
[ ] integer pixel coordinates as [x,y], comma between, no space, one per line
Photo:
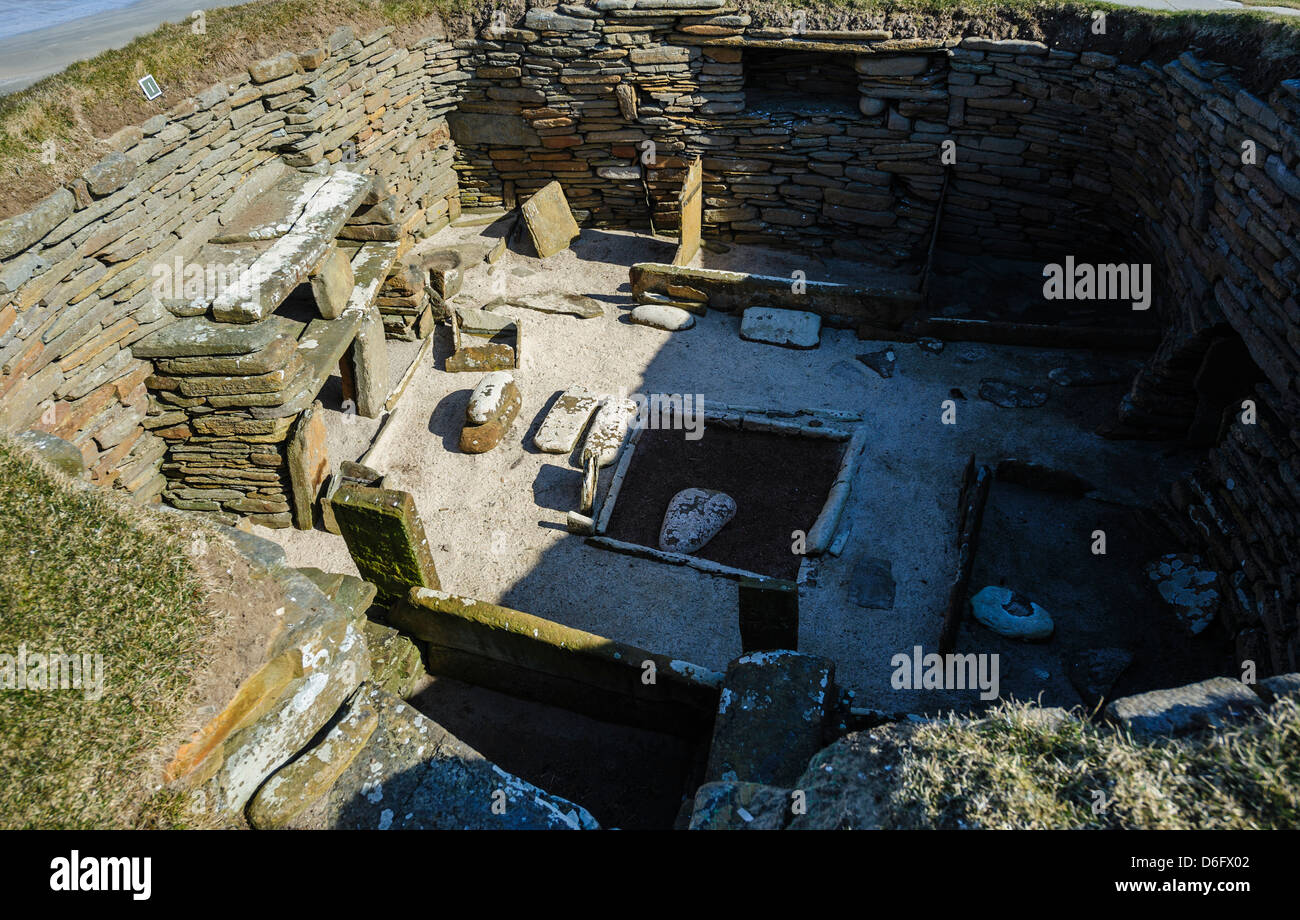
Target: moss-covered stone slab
[63,455]
[296,786]
[354,598]
[386,538]
[347,472]
[771,717]
[309,464]
[284,706]
[525,655]
[329,583]
[395,661]
[549,220]
[731,806]
[491,356]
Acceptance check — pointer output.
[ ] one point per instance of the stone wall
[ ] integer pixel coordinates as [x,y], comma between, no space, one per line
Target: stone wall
[78,273]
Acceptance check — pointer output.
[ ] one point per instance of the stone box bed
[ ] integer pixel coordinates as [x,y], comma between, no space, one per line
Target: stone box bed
[780,483]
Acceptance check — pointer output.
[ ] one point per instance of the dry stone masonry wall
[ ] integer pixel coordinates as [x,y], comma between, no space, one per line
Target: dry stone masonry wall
[159,398]
[842,142]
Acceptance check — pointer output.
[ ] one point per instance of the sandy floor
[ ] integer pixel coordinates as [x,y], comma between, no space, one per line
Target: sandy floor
[496,520]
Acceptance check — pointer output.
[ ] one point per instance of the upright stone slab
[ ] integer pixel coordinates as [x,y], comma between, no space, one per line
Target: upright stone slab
[608,429]
[770,718]
[367,363]
[331,283]
[309,465]
[347,472]
[689,206]
[549,220]
[386,538]
[769,614]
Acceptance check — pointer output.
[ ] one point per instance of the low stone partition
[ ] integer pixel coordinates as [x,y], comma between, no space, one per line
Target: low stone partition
[848,305]
[528,656]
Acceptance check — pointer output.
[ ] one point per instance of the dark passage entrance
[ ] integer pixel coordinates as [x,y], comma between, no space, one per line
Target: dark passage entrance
[626,777]
[799,81]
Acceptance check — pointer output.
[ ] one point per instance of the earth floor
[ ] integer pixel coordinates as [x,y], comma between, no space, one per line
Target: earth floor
[496,520]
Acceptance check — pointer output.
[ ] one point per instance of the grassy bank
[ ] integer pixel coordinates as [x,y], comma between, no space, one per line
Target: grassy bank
[1011,770]
[83,573]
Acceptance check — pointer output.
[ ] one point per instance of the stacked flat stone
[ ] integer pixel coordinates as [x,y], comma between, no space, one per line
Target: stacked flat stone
[76,271]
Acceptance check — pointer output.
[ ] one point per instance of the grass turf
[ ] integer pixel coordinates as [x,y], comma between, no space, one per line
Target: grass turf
[82,572]
[1011,770]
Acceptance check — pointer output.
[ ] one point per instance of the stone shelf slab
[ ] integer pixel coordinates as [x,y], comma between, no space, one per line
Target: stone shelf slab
[197,336]
[323,342]
[275,211]
[290,259]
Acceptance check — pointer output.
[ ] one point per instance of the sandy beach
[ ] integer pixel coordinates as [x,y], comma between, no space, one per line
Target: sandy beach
[28,57]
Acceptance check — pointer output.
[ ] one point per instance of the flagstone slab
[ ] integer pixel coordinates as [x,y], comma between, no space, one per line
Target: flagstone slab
[694,517]
[787,328]
[566,421]
[549,220]
[608,429]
